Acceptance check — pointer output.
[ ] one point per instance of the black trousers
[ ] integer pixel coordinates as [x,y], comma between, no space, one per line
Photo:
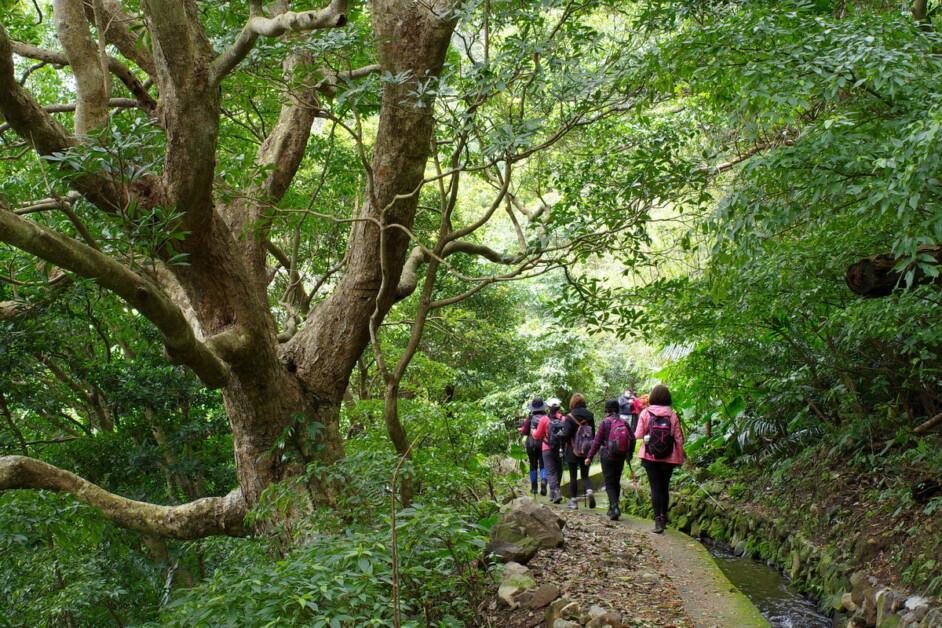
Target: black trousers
[659,477]
[554,468]
[611,470]
[535,455]
[574,470]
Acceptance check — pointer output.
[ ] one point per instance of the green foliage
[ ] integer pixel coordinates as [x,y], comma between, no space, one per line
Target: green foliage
[63,564]
[337,569]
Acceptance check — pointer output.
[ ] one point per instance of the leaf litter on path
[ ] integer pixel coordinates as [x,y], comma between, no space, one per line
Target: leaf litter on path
[603,564]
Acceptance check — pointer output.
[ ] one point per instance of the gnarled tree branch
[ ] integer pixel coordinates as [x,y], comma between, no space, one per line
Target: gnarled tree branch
[332,16]
[409,280]
[179,339]
[210,516]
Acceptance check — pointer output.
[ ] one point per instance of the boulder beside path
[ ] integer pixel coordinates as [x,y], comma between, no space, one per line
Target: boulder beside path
[523,528]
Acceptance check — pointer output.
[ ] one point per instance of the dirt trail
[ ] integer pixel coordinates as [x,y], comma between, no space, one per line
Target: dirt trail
[651,580]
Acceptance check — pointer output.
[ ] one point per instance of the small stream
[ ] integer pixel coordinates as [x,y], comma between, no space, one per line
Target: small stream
[781,604]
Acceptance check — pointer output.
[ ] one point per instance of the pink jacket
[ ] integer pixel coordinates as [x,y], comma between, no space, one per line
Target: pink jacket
[542,429]
[644,423]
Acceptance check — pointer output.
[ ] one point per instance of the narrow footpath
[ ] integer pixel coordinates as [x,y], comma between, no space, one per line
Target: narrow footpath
[650,580]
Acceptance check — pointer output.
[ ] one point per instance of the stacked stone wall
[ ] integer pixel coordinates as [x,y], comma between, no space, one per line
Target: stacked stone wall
[855,599]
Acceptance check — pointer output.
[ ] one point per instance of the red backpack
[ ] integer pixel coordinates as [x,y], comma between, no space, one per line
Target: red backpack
[619,438]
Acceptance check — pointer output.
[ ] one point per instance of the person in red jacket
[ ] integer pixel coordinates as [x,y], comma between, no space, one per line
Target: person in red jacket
[658,424]
[537,410]
[548,431]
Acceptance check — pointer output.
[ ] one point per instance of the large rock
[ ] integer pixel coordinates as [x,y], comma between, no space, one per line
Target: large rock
[506,551]
[523,528]
[537,521]
[543,596]
[516,580]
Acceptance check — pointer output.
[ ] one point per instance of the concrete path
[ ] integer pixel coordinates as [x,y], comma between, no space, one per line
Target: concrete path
[710,598]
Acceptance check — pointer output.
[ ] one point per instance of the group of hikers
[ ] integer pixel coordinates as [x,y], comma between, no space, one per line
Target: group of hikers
[554,436]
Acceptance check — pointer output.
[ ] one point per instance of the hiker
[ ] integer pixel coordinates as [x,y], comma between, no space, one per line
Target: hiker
[628,408]
[534,446]
[577,436]
[615,444]
[662,450]
[548,432]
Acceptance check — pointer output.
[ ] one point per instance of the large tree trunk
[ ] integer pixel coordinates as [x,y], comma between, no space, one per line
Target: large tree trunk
[325,352]
[874,276]
[233,344]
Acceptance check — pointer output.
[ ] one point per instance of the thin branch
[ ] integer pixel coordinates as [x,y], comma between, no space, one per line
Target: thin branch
[928,425]
[210,516]
[330,85]
[114,103]
[755,150]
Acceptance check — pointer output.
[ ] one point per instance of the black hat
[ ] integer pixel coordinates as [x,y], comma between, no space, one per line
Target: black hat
[537,405]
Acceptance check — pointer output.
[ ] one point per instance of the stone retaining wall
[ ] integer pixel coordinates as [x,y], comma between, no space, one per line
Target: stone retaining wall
[855,599]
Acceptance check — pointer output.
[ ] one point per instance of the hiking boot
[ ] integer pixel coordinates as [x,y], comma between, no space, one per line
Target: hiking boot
[533,487]
[591,498]
[573,504]
[555,497]
[615,513]
[543,487]
[659,524]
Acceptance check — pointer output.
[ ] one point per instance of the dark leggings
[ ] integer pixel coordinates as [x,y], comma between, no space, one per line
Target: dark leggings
[554,469]
[659,477]
[611,471]
[535,454]
[574,468]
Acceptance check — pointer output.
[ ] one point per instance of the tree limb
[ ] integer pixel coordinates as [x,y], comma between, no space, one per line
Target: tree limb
[210,516]
[91,92]
[928,425]
[117,31]
[874,276]
[409,280]
[331,83]
[45,134]
[179,339]
[115,66]
[332,16]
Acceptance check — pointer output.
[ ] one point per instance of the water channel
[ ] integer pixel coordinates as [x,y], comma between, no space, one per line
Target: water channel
[780,603]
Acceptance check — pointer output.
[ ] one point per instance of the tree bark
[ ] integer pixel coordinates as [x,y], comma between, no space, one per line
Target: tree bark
[874,277]
[203,517]
[231,339]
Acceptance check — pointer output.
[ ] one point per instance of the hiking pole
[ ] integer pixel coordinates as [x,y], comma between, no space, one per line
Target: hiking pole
[706,492]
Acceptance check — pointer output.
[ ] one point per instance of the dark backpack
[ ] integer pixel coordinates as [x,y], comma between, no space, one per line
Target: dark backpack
[619,440]
[661,443]
[583,438]
[552,432]
[534,422]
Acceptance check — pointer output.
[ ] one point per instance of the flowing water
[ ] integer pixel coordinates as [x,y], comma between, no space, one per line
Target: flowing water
[781,604]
